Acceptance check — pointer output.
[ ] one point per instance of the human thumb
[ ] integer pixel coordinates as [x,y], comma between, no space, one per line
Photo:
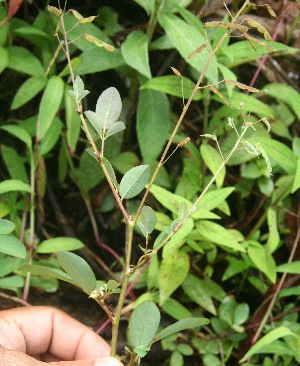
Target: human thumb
[14,358]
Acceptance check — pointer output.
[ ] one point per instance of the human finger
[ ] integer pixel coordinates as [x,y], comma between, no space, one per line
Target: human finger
[15,358]
[41,329]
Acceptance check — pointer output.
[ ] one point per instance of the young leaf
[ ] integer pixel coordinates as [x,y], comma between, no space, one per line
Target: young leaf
[181,325]
[293,267]
[78,269]
[148,221]
[135,52]
[134,181]
[59,244]
[49,106]
[109,107]
[111,172]
[172,272]
[115,128]
[143,324]
[12,246]
[78,93]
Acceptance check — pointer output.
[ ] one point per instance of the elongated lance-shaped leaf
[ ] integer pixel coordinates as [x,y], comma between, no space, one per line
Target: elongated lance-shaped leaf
[181,325]
[134,181]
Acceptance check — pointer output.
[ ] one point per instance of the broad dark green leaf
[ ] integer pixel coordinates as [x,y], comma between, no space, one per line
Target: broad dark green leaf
[153,123]
[181,325]
[14,163]
[14,185]
[187,39]
[143,324]
[49,106]
[212,200]
[12,246]
[22,60]
[59,244]
[173,85]
[78,269]
[179,238]
[135,52]
[98,59]
[28,90]
[172,272]
[134,181]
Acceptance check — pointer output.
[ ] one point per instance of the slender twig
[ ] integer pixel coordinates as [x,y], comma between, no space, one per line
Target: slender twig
[14,298]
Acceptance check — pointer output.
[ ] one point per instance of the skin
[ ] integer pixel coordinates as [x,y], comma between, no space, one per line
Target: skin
[34,336]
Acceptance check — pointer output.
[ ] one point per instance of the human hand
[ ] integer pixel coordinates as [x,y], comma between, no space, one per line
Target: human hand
[31,336]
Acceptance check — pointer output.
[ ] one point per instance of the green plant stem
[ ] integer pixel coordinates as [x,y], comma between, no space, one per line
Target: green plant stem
[32,220]
[278,289]
[127,274]
[153,19]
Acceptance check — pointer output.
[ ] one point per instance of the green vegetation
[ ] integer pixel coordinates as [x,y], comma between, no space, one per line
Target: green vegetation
[199,169]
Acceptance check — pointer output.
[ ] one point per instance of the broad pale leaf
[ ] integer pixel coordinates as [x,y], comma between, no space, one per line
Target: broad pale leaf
[135,52]
[108,107]
[134,181]
[143,324]
[78,269]
[148,221]
[59,244]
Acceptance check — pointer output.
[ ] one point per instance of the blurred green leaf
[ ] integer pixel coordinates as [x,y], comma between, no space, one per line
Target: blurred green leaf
[14,185]
[262,260]
[22,60]
[293,267]
[213,160]
[3,59]
[14,163]
[148,221]
[59,244]
[12,246]
[11,282]
[6,226]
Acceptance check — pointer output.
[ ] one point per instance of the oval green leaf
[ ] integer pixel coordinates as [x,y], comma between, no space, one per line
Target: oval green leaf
[143,324]
[78,269]
[28,90]
[6,226]
[14,185]
[134,181]
[12,246]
